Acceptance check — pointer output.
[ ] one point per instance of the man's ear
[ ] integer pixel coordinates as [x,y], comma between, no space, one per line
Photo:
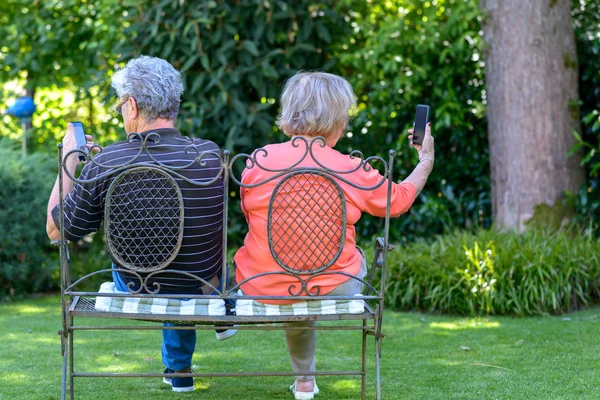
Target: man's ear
[134,112]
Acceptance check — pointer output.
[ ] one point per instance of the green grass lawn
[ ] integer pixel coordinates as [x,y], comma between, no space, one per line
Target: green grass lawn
[424,357]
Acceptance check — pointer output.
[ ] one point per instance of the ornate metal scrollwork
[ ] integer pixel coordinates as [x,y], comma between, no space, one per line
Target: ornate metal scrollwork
[108,170]
[252,161]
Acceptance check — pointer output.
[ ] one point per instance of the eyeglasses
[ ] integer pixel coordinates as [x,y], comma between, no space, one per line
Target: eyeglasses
[120,106]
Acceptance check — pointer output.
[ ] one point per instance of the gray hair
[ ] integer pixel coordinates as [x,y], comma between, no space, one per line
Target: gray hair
[155,85]
[315,104]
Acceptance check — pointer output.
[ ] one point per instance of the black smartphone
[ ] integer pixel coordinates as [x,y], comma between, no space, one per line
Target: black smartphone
[421,121]
[80,138]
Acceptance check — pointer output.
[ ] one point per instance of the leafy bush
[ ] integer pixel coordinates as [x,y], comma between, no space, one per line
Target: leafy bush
[406,52]
[490,272]
[234,57]
[28,262]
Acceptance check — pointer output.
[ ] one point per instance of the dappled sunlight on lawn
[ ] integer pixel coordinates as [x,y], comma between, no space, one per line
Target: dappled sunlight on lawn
[448,363]
[10,377]
[113,362]
[461,325]
[29,309]
[425,356]
[53,339]
[200,384]
[346,384]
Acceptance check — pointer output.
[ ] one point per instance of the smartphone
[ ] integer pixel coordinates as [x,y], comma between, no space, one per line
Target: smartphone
[81,139]
[421,121]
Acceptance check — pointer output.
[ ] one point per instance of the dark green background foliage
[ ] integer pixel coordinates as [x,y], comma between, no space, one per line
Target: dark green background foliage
[234,56]
[490,272]
[587,29]
[431,54]
[27,261]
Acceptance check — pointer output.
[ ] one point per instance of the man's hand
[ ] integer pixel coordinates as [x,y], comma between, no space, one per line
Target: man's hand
[70,143]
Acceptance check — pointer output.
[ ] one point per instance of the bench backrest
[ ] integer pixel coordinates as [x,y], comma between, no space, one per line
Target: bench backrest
[306,222]
[307,214]
[143,219]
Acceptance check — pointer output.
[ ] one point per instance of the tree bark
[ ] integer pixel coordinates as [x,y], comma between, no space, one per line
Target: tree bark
[531,79]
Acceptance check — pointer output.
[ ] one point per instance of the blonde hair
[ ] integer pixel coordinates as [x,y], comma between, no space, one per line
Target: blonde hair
[315,104]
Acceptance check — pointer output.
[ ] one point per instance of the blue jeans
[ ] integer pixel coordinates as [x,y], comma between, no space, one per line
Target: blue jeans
[178,345]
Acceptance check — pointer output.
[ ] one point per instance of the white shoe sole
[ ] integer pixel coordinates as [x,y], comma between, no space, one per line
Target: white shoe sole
[169,382]
[226,334]
[304,395]
[183,389]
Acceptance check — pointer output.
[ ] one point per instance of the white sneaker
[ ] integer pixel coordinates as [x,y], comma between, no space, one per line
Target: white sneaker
[304,395]
[226,334]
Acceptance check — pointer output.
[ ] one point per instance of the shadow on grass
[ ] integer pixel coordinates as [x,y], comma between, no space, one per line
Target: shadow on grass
[424,357]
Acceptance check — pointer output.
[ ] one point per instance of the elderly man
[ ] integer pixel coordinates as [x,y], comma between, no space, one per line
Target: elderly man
[149,91]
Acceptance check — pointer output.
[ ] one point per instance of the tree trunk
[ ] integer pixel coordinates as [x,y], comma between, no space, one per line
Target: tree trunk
[531,78]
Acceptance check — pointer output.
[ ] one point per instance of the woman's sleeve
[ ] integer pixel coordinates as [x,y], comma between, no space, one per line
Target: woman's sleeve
[402,197]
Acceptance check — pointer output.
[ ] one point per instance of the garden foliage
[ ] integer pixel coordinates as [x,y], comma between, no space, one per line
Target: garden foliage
[408,52]
[234,58]
[490,272]
[586,17]
[61,52]
[28,263]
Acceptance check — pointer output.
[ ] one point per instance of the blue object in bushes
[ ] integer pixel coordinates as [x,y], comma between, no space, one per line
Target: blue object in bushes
[24,107]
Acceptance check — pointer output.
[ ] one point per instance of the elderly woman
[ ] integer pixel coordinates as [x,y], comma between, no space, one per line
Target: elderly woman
[317,104]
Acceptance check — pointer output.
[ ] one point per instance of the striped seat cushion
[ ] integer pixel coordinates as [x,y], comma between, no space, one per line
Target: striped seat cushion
[311,307]
[156,306]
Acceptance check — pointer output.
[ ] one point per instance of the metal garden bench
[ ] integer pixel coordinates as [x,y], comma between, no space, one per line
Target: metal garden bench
[144,196]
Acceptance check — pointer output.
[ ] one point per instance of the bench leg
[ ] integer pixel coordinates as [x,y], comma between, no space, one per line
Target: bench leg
[63,388]
[71,387]
[364,362]
[377,365]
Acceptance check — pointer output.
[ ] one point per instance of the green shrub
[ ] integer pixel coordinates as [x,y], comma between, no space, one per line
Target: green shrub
[406,52]
[234,58]
[28,263]
[490,272]
[587,33]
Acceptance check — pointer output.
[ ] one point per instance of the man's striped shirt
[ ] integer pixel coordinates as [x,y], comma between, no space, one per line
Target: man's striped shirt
[201,249]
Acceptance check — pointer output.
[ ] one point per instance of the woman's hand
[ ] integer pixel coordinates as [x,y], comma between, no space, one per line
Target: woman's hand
[426,150]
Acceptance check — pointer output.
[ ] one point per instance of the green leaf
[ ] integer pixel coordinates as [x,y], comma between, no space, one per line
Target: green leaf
[188,64]
[239,107]
[323,32]
[250,47]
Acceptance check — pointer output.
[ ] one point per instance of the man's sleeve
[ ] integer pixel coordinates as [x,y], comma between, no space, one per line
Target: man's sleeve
[83,207]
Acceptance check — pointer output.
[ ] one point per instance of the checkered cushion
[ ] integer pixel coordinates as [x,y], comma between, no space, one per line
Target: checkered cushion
[310,307]
[156,306]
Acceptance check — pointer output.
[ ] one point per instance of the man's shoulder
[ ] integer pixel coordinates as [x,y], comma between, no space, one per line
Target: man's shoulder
[201,144]
[119,146]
